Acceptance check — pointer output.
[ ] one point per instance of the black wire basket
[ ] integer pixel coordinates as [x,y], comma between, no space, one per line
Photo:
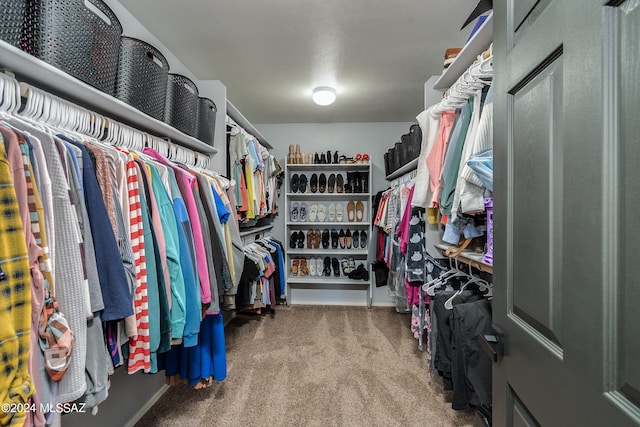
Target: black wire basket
[206,120]
[142,77]
[11,21]
[181,106]
[80,37]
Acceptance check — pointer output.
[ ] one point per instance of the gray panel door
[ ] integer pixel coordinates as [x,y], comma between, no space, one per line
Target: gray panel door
[567,203]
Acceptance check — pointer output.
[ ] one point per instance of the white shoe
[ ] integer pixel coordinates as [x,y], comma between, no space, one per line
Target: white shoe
[339,212]
[312,267]
[322,213]
[313,213]
[332,212]
[319,266]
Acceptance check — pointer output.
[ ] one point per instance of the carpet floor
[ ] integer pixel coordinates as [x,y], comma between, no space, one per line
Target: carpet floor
[316,366]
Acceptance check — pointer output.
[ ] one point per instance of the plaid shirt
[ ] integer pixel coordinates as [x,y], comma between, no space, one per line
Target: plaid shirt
[15,301]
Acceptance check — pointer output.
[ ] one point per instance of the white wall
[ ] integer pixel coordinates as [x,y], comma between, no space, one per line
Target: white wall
[349,138]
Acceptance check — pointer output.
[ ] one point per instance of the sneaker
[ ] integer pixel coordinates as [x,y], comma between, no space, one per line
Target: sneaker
[303,212]
[322,213]
[294,212]
[313,213]
[339,212]
[332,212]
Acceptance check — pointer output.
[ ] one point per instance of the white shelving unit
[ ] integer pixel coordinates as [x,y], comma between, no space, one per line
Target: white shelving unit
[32,70]
[242,121]
[359,254]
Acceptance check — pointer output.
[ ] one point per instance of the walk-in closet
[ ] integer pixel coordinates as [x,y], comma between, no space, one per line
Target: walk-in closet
[319,213]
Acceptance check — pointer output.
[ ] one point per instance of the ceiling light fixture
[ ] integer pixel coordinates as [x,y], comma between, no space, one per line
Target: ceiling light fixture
[324,95]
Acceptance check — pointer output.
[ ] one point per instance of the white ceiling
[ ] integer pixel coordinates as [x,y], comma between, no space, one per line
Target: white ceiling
[270,54]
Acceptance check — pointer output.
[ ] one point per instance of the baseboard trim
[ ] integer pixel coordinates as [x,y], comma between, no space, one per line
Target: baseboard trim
[138,415]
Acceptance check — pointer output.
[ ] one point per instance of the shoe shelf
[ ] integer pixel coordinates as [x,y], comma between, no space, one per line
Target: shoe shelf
[309,224]
[293,201]
[329,251]
[321,281]
[341,196]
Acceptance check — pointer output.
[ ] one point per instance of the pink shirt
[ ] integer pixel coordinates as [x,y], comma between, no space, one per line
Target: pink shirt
[435,158]
[196,227]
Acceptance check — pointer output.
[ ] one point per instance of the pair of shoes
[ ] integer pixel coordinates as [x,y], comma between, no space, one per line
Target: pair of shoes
[348,265]
[298,183]
[360,239]
[299,265]
[361,158]
[355,211]
[296,240]
[450,55]
[357,182]
[298,212]
[345,239]
[360,273]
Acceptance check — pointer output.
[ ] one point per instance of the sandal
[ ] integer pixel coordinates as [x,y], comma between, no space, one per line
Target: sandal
[300,239]
[327,266]
[314,183]
[342,160]
[304,270]
[293,240]
[334,239]
[312,267]
[302,185]
[319,265]
[348,239]
[356,239]
[339,183]
[341,237]
[345,266]
[336,267]
[295,263]
[322,213]
[332,212]
[358,158]
[339,213]
[325,238]
[359,211]
[331,183]
[311,239]
[351,211]
[322,183]
[294,212]
[352,265]
[313,213]
[295,181]
[318,239]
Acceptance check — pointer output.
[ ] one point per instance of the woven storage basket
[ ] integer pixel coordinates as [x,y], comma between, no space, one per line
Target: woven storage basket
[181,106]
[397,156]
[142,77]
[11,21]
[406,147]
[206,120]
[387,163]
[80,37]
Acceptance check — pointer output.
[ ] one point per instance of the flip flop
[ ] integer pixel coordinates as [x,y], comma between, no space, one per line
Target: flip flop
[331,183]
[332,212]
[359,211]
[322,183]
[356,239]
[313,213]
[319,265]
[294,212]
[293,240]
[339,183]
[300,239]
[312,267]
[339,212]
[314,183]
[322,213]
[302,186]
[351,211]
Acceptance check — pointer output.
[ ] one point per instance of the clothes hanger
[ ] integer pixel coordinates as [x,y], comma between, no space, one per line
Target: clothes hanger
[484,285]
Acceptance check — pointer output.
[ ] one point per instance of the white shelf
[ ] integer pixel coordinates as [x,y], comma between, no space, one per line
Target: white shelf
[331,166]
[315,253]
[32,70]
[412,165]
[254,230]
[327,223]
[242,121]
[330,195]
[474,259]
[325,280]
[478,43]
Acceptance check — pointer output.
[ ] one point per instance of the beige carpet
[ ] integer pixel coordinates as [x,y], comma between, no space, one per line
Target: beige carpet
[316,366]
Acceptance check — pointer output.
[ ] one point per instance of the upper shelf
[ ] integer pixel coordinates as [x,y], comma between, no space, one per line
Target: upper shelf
[47,77]
[412,165]
[478,43]
[242,121]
